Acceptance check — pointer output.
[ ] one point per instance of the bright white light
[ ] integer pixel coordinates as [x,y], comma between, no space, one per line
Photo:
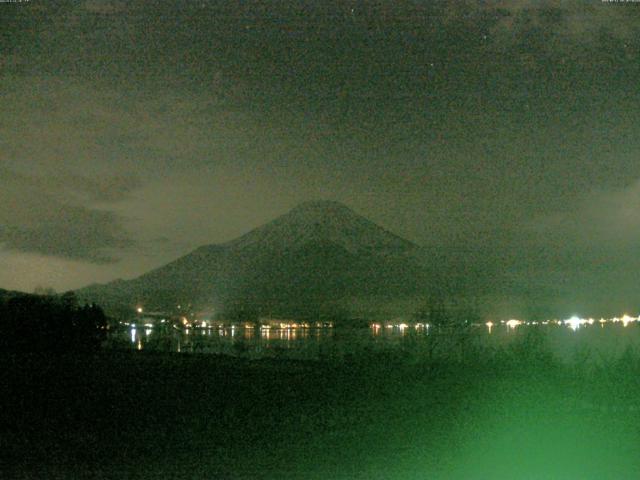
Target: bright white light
[626,319]
[139,309]
[574,322]
[513,323]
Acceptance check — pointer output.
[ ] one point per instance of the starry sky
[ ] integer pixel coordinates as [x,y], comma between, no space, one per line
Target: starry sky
[503,135]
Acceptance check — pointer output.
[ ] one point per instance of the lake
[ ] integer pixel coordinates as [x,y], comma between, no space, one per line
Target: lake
[568,342]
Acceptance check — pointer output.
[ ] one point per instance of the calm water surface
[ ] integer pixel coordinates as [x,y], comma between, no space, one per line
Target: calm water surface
[587,343]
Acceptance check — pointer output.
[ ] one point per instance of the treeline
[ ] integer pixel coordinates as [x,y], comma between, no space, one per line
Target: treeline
[448,313]
[49,323]
[299,310]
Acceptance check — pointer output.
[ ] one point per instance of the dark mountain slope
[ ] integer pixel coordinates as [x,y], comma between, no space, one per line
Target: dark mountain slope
[318,254]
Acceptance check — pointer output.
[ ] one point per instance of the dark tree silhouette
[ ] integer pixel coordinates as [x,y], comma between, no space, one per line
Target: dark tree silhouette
[37,323]
[433,312]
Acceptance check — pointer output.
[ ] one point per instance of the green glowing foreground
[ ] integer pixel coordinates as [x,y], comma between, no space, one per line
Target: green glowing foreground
[513,413]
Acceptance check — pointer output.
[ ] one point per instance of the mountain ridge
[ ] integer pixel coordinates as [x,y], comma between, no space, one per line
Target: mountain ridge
[318,218]
[319,253]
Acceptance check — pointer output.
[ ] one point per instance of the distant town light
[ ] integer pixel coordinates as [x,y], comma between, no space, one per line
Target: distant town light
[513,323]
[139,309]
[626,319]
[574,322]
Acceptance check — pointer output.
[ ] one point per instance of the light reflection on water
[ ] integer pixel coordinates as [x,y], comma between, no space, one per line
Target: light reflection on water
[312,343]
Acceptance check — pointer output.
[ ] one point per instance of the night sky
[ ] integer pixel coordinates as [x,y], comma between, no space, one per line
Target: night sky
[504,135]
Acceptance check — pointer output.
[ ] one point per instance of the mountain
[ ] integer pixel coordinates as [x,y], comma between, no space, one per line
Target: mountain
[319,258]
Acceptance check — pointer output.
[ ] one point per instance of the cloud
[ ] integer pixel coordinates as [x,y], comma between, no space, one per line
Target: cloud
[533,32]
[72,152]
[587,253]
[606,219]
[129,135]
[37,216]
[72,232]
[104,7]
[567,19]
[106,188]
[590,249]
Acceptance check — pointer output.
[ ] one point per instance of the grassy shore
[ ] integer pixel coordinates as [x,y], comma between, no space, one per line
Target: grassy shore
[511,415]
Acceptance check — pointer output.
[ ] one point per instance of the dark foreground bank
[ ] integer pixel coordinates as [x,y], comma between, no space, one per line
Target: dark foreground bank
[511,415]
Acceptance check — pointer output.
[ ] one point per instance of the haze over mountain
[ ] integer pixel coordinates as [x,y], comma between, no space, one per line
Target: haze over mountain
[320,258]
